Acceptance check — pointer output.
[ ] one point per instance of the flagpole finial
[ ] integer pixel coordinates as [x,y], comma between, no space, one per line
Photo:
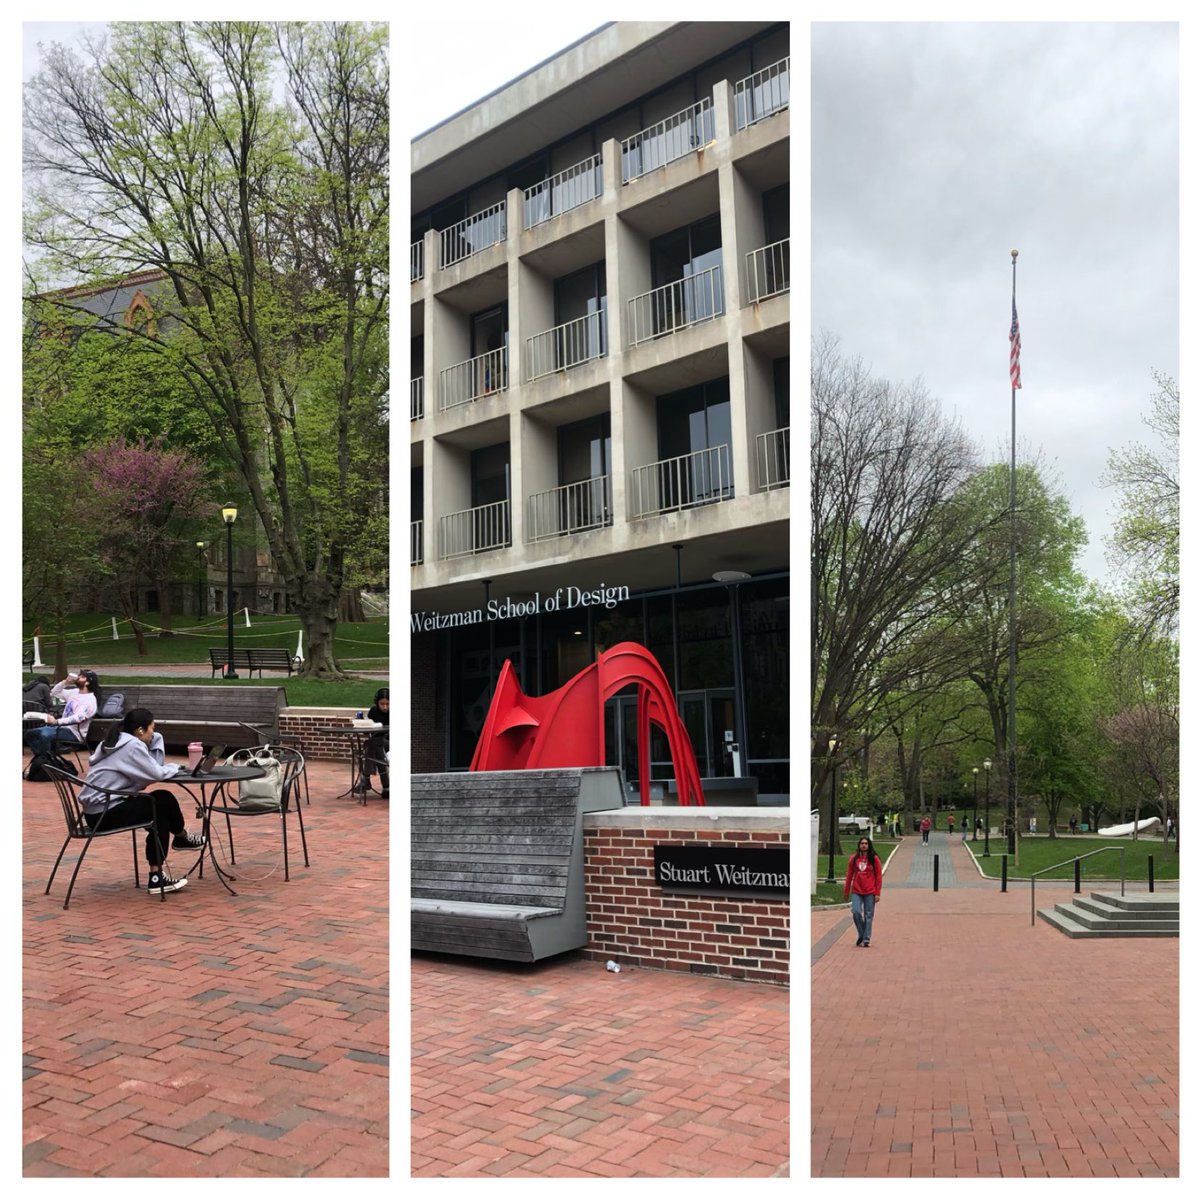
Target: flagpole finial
[1014,254]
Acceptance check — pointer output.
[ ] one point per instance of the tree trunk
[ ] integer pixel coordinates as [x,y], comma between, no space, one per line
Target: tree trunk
[350,607]
[164,609]
[320,626]
[60,642]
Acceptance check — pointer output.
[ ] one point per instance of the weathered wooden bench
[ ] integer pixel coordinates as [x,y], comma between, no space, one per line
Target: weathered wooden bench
[497,859]
[253,658]
[203,713]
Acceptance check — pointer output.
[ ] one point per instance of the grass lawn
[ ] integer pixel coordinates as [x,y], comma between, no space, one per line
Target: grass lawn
[831,893]
[1038,852]
[300,692]
[90,641]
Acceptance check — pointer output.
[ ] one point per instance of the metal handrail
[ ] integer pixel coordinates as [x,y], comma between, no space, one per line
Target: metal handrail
[416,261]
[569,189]
[768,271]
[474,378]
[678,305]
[571,508]
[1076,858]
[567,345]
[416,398]
[477,232]
[416,543]
[772,86]
[676,136]
[773,458]
[474,530]
[686,481]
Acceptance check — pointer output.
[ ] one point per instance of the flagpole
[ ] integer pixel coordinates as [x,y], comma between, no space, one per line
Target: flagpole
[1015,382]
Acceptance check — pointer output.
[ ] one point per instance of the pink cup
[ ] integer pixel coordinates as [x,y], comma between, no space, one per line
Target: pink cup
[195,754]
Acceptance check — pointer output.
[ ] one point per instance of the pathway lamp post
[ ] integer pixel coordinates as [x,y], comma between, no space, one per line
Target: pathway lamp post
[975,807]
[229,515]
[833,742]
[987,805]
[200,580]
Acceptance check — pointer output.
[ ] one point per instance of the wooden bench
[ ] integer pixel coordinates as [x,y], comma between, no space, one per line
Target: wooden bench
[214,715]
[497,859]
[27,661]
[253,659]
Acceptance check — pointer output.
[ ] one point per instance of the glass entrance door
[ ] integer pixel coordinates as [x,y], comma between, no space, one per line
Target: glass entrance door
[707,717]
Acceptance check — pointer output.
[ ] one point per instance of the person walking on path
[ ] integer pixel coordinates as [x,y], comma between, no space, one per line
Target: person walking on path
[864,882]
[926,825]
[950,824]
[1073,823]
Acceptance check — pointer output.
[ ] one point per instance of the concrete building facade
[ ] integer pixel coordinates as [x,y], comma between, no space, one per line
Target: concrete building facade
[599,402]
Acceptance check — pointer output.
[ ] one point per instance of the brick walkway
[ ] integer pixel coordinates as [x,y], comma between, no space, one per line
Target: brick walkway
[561,1068]
[210,1034]
[965,1043]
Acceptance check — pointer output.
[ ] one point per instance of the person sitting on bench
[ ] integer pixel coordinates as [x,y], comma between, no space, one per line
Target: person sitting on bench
[82,694]
[130,757]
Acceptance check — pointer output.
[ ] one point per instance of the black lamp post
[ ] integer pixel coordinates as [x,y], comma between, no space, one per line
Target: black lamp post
[987,805]
[200,580]
[229,513]
[975,807]
[1011,806]
[831,878]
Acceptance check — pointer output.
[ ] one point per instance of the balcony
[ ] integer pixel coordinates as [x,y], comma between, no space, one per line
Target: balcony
[772,452]
[762,94]
[560,193]
[768,271]
[689,481]
[416,261]
[677,136]
[566,345]
[475,530]
[416,398]
[676,305]
[570,509]
[484,375]
[476,233]
[416,543]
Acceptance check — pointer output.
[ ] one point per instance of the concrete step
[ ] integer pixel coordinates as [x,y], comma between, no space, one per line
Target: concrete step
[1071,921]
[1106,909]
[1141,901]
[1083,915]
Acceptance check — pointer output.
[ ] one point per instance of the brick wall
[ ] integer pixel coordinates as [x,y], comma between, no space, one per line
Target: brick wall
[427,752]
[299,726]
[632,920]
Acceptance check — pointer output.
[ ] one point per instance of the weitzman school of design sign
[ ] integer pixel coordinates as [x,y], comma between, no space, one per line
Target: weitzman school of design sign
[742,869]
[559,600]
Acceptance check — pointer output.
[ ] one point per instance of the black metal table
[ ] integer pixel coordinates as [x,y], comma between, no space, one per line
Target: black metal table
[359,735]
[218,778]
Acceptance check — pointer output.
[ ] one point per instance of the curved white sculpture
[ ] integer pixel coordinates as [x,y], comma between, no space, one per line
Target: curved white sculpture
[1146,826]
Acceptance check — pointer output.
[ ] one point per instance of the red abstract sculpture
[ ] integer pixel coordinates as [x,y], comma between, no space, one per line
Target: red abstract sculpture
[565,728]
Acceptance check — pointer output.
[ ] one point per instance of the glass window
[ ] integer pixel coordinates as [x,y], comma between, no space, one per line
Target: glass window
[418,493]
[691,421]
[782,369]
[579,296]
[776,223]
[489,474]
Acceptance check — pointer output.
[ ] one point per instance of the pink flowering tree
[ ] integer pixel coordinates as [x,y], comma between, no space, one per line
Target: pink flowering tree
[142,498]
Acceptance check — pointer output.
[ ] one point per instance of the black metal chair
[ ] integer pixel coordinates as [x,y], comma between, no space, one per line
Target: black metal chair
[68,787]
[291,763]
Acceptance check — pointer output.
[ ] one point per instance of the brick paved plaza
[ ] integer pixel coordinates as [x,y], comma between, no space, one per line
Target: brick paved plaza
[963,1042]
[210,1034]
[563,1069]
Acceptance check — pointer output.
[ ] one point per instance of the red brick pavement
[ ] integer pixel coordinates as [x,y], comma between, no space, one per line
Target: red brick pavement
[210,1034]
[963,1042]
[563,1069]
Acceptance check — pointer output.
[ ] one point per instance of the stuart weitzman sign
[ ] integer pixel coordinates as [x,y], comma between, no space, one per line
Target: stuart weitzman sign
[560,600]
[742,869]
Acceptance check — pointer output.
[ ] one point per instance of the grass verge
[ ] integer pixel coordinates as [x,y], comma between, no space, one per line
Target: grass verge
[1036,853]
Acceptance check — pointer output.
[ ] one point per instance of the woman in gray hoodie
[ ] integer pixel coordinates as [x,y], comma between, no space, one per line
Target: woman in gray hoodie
[130,757]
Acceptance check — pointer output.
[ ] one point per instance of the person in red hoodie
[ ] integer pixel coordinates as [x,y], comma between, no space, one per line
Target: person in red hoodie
[926,825]
[864,882]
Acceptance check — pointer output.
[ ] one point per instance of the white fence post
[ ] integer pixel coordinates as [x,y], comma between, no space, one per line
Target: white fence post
[116,636]
[38,665]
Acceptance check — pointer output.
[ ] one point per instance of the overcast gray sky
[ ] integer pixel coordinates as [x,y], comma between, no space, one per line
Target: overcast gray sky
[939,148]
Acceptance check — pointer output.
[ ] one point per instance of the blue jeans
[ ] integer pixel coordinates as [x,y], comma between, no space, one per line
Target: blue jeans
[862,908]
[41,740]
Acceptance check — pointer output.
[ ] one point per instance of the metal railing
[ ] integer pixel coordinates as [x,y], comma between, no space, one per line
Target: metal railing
[768,271]
[416,261]
[475,530]
[702,477]
[416,543]
[772,453]
[762,94]
[562,192]
[676,136]
[676,305]
[416,398]
[474,234]
[473,379]
[1076,859]
[571,508]
[567,345]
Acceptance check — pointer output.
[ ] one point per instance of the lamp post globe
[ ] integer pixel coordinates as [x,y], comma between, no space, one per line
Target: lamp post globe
[833,743]
[987,806]
[229,515]
[975,806]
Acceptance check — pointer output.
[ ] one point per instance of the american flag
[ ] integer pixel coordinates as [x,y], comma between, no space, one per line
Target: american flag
[1014,349]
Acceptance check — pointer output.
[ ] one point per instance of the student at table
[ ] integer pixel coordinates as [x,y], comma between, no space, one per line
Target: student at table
[377,743]
[130,757]
[81,692]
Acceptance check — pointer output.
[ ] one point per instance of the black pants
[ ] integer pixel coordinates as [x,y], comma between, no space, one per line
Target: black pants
[375,761]
[168,820]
